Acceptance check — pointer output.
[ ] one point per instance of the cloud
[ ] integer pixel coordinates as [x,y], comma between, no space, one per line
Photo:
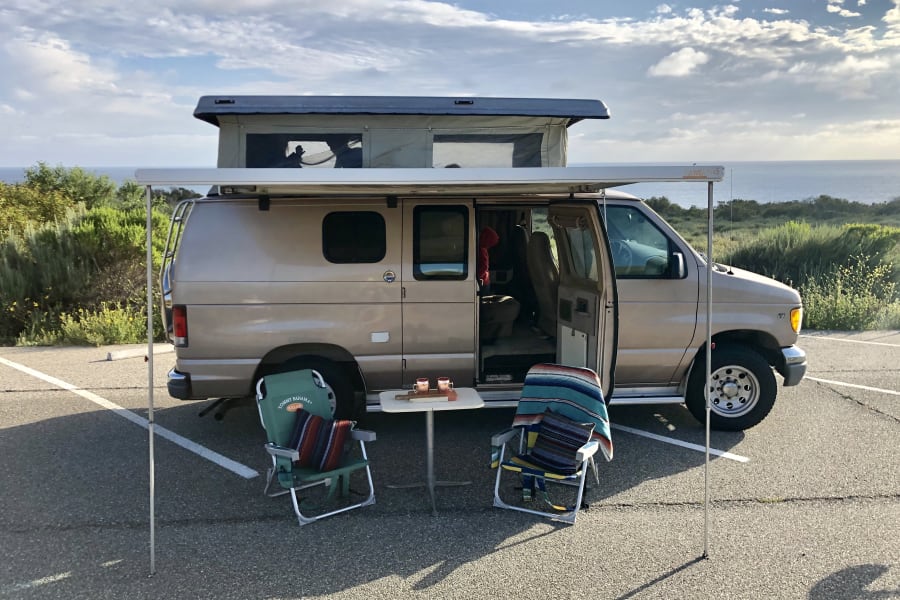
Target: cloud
[850,78]
[727,136]
[48,65]
[892,17]
[126,77]
[679,64]
[776,11]
[837,8]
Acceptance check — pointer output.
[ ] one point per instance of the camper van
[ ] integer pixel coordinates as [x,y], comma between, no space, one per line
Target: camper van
[383,239]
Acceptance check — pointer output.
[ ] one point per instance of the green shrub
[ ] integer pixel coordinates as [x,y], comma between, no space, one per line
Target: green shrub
[22,206]
[889,316]
[108,324]
[73,259]
[75,184]
[83,262]
[851,296]
[796,252]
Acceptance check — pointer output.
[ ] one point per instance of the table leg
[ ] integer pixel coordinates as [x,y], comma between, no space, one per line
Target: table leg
[429,423]
[429,443]
[430,481]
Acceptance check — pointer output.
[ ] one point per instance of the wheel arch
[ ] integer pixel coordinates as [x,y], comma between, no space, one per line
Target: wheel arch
[338,355]
[761,342]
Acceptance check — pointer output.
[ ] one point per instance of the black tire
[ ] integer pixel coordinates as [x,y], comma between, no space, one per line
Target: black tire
[341,392]
[743,388]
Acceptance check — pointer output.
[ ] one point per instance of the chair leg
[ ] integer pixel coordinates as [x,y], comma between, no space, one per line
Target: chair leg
[566,517]
[270,477]
[498,502]
[305,520]
[333,483]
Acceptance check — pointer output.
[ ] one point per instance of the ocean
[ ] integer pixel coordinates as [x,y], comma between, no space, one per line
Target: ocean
[865,181]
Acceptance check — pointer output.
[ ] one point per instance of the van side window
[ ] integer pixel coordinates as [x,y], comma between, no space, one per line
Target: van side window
[354,237]
[639,249]
[440,242]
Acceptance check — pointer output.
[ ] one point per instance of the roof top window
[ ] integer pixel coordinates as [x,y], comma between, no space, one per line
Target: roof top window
[285,150]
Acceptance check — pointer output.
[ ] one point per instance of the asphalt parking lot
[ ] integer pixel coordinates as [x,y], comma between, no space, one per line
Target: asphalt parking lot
[806,505]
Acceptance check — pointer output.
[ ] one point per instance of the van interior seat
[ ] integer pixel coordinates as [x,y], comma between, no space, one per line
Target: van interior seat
[545,278]
[521,280]
[498,313]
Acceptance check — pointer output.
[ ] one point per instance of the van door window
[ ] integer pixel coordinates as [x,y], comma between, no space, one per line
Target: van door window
[581,245]
[639,249]
[440,242]
[353,237]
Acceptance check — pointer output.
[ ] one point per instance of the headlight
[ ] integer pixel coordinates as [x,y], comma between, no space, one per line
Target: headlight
[796,319]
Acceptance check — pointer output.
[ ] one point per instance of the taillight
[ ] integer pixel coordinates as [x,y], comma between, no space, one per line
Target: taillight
[179,325]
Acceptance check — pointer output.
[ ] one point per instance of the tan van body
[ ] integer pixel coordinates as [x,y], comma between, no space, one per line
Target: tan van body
[260,294]
[367,269]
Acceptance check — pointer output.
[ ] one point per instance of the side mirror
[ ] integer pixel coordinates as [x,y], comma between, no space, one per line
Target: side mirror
[679,270]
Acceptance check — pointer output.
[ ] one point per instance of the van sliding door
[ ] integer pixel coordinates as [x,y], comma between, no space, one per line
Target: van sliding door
[586,307]
[438,303]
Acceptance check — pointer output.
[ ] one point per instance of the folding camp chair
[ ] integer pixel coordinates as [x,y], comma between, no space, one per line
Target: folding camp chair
[560,423]
[308,447]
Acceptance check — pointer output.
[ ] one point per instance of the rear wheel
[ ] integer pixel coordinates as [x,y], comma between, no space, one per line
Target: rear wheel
[340,389]
[742,389]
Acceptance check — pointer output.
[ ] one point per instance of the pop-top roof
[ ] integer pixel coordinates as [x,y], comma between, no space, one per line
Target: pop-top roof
[209,108]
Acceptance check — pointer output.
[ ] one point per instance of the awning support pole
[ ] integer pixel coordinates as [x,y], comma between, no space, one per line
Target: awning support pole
[709,270]
[150,426]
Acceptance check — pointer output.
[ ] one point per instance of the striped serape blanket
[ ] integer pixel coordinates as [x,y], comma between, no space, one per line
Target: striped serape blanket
[574,392]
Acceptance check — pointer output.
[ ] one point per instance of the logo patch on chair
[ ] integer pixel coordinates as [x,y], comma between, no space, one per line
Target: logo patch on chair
[293,404]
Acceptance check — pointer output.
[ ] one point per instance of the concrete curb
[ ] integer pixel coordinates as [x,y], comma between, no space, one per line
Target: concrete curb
[136,352]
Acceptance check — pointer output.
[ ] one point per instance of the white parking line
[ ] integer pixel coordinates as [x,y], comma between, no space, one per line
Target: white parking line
[854,385]
[688,445]
[22,587]
[215,457]
[834,339]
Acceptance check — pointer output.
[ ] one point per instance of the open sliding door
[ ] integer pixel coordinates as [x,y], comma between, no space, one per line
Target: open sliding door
[586,330]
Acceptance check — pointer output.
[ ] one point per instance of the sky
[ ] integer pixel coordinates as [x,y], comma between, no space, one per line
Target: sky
[107,83]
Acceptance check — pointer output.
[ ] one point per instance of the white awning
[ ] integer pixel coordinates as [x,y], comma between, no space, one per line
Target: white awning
[500,181]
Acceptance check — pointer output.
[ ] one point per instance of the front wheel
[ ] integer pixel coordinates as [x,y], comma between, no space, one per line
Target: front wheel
[742,389]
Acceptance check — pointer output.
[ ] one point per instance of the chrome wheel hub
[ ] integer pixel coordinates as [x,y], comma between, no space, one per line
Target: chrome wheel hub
[734,391]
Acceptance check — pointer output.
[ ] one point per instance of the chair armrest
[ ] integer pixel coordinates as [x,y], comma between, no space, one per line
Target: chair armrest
[501,438]
[283,452]
[363,435]
[587,451]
